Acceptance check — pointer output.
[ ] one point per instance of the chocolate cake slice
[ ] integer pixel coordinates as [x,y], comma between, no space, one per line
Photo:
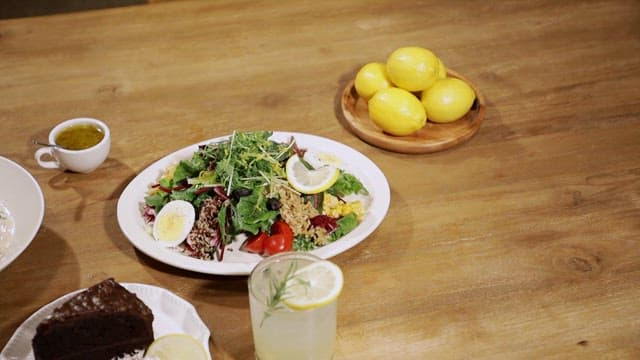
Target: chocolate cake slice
[102,322]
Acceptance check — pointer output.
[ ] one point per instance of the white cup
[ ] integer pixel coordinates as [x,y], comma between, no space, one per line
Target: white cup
[82,161]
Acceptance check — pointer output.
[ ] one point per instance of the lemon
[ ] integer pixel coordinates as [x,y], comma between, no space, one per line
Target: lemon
[397,111]
[371,78]
[413,68]
[176,346]
[442,71]
[448,100]
[314,285]
[310,181]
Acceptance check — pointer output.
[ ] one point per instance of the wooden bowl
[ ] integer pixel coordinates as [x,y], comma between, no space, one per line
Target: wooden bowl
[431,138]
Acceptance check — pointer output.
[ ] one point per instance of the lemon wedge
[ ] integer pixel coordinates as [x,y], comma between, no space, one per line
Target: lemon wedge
[310,181]
[314,285]
[176,346]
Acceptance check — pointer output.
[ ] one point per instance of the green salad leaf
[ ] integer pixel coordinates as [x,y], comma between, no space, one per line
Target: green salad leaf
[186,169]
[251,213]
[347,184]
[205,177]
[345,225]
[186,195]
[157,200]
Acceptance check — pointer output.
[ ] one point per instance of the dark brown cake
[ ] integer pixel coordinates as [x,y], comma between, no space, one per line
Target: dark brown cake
[102,322]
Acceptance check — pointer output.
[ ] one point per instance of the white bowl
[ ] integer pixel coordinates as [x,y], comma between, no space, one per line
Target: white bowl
[22,196]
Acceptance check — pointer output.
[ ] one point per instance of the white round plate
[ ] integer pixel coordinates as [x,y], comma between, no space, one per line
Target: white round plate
[22,196]
[236,262]
[172,314]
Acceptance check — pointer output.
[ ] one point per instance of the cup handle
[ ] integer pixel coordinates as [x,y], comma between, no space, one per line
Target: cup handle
[50,164]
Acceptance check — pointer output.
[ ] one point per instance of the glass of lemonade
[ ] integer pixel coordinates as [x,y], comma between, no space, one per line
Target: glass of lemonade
[293,298]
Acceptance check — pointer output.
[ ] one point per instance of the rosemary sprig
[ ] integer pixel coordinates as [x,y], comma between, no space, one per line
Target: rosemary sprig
[278,290]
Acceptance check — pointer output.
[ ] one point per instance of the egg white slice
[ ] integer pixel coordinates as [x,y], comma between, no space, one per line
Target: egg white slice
[173,223]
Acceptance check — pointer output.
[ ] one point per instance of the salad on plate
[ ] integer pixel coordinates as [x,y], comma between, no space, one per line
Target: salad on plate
[273,196]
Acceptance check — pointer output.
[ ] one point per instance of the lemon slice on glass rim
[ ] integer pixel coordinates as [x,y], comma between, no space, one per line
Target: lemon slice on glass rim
[310,181]
[315,285]
[176,346]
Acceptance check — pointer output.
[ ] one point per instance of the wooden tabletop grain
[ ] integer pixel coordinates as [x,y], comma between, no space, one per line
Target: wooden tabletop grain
[521,243]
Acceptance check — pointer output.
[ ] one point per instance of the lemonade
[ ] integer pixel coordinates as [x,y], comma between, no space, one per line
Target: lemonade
[282,333]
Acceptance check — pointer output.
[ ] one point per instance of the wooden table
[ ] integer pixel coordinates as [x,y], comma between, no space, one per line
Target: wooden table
[523,242]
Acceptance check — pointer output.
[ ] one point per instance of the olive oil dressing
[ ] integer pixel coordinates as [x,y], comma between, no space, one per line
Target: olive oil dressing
[79,137]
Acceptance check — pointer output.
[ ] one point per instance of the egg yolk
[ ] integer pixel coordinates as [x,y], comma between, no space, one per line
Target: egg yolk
[170,227]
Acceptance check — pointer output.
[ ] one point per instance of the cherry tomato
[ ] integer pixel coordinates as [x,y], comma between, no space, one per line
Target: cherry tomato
[281,227]
[255,244]
[277,243]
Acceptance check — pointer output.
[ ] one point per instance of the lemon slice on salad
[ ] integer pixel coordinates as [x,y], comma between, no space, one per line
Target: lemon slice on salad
[176,346]
[310,181]
[314,285]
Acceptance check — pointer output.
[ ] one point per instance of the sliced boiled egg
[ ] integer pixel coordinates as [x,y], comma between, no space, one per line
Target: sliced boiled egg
[174,222]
